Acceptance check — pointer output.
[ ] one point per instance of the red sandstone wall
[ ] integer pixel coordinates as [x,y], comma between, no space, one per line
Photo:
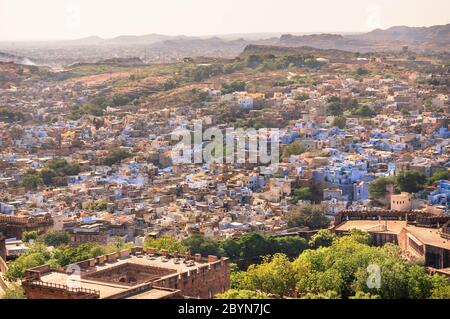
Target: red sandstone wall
[52,293]
[204,283]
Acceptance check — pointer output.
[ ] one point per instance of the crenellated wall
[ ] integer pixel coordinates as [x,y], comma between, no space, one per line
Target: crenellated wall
[204,282]
[209,279]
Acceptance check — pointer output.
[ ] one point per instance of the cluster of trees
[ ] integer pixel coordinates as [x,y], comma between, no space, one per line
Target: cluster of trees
[165,242]
[310,216]
[295,148]
[62,255]
[242,294]
[116,156]
[302,96]
[282,82]
[249,247]
[235,86]
[339,121]
[169,85]
[98,206]
[54,173]
[253,245]
[364,111]
[377,188]
[273,62]
[439,175]
[86,109]
[10,116]
[347,267]
[15,291]
[199,97]
[250,123]
[98,105]
[362,72]
[410,181]
[337,106]
[198,73]
[303,193]
[406,181]
[51,238]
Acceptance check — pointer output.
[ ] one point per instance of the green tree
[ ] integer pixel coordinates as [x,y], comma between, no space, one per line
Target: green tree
[331,294]
[11,116]
[252,245]
[198,244]
[242,294]
[441,292]
[55,238]
[339,121]
[66,255]
[362,71]
[291,246]
[335,106]
[275,276]
[116,156]
[254,60]
[236,86]
[439,175]
[32,179]
[116,243]
[165,242]
[364,295]
[48,176]
[303,193]
[311,216]
[302,96]
[365,111]
[377,188]
[15,291]
[319,282]
[341,270]
[169,85]
[36,255]
[98,206]
[231,248]
[323,238]
[29,235]
[411,181]
[294,149]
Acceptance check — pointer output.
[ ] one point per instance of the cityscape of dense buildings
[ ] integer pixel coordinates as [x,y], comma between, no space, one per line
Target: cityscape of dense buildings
[98,201]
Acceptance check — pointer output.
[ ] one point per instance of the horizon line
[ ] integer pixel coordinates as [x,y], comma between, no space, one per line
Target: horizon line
[214,35]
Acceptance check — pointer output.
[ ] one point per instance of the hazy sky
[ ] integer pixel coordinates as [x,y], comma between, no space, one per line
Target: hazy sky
[68,19]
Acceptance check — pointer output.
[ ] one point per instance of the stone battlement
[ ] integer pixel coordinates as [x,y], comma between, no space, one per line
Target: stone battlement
[418,218]
[136,269]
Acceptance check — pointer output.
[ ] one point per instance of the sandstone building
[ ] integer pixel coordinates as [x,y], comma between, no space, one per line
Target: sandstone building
[135,273]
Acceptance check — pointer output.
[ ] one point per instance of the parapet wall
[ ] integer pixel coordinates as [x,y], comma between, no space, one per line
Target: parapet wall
[418,218]
[36,289]
[28,221]
[205,281]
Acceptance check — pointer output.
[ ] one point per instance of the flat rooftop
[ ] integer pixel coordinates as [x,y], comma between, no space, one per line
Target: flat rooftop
[108,288]
[429,236]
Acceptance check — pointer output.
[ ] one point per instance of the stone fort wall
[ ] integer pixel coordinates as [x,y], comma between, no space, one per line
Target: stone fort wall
[204,282]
